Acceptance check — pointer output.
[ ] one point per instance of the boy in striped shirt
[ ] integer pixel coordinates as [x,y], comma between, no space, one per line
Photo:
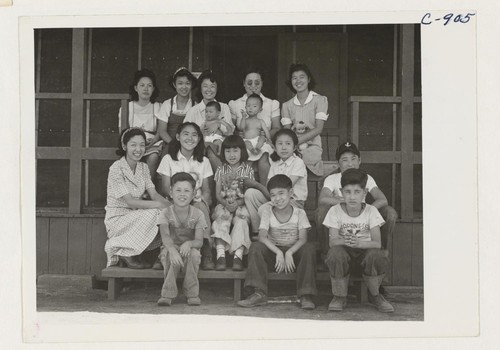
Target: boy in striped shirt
[282,244]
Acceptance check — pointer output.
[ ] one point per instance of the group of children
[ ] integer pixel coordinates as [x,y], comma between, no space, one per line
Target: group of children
[273,209]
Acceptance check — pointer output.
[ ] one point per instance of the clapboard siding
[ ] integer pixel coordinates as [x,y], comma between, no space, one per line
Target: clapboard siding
[75,245]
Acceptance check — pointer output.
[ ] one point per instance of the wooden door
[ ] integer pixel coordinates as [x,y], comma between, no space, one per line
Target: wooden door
[326,56]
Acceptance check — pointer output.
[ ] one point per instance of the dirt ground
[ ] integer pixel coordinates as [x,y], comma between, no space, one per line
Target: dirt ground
[70,294]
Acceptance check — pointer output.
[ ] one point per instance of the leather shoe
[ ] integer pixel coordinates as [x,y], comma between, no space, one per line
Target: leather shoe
[132,262]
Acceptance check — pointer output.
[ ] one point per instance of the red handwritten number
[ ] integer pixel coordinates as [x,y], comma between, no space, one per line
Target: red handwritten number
[448,17]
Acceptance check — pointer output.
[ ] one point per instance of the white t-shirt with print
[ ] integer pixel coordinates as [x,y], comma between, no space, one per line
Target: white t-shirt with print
[332,182]
[359,225]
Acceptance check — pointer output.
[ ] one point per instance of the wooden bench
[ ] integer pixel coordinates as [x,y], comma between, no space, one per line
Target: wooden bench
[116,275]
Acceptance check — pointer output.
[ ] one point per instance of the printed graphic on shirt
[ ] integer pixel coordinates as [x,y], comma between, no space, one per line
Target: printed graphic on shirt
[360,230]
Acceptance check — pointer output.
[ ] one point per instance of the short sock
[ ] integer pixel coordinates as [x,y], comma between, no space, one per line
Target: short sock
[239,253]
[221,252]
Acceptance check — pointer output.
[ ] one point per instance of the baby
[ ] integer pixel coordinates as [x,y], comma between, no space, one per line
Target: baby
[252,126]
[212,113]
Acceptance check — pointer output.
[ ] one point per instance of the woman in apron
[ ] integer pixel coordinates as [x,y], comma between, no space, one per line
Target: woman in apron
[173,110]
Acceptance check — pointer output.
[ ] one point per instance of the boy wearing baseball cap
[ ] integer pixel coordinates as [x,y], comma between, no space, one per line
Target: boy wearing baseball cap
[349,157]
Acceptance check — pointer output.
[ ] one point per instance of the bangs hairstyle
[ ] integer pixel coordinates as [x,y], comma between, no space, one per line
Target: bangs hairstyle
[279,181]
[207,74]
[182,72]
[125,137]
[175,146]
[179,177]
[297,68]
[288,132]
[354,177]
[257,97]
[143,73]
[214,104]
[234,141]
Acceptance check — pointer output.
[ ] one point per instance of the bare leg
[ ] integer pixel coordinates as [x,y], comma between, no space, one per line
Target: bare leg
[264,166]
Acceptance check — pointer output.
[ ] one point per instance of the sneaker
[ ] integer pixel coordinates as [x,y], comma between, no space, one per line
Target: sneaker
[207,262]
[221,264]
[256,299]
[306,302]
[157,265]
[337,303]
[195,301]
[237,264]
[380,302]
[164,302]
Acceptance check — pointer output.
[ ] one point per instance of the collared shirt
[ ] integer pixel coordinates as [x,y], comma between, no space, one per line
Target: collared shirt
[170,106]
[332,182]
[359,225]
[284,234]
[270,109]
[181,232]
[199,171]
[121,181]
[197,115]
[293,166]
[315,107]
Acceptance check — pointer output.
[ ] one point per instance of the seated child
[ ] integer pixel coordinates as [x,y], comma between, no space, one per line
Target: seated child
[282,242]
[349,157]
[181,230]
[301,128]
[354,228]
[212,116]
[253,127]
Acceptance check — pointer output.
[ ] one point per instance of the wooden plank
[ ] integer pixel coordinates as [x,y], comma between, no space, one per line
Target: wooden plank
[53,152]
[58,246]
[401,255]
[380,157]
[417,255]
[77,83]
[88,246]
[53,96]
[100,153]
[355,123]
[123,122]
[375,99]
[98,255]
[344,58]
[42,246]
[103,96]
[77,245]
[407,91]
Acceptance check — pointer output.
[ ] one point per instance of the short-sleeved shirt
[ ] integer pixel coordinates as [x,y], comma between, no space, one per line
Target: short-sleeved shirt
[332,182]
[197,115]
[170,106]
[243,170]
[293,166]
[121,181]
[284,234]
[270,109]
[199,170]
[181,232]
[315,107]
[359,225]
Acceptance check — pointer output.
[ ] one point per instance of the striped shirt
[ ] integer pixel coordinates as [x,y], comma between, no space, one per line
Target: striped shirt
[243,170]
[284,234]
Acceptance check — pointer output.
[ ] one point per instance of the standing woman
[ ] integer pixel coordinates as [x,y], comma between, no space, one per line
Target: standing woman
[208,90]
[173,111]
[143,113]
[131,222]
[310,108]
[270,114]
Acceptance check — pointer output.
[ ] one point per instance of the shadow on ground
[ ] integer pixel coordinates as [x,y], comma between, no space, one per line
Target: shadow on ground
[217,299]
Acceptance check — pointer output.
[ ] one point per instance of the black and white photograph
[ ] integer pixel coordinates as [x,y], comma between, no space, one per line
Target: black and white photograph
[240,172]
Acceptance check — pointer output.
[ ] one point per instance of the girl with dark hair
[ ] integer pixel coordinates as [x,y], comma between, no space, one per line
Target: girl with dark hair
[310,108]
[173,111]
[131,222]
[286,160]
[231,179]
[208,89]
[143,112]
[185,154]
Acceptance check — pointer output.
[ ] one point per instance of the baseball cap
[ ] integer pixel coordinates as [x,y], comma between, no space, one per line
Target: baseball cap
[347,147]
